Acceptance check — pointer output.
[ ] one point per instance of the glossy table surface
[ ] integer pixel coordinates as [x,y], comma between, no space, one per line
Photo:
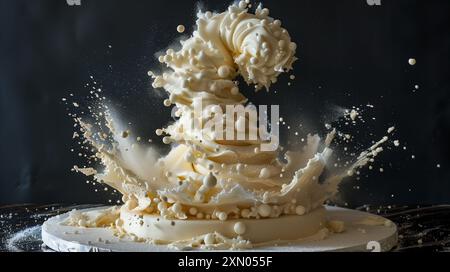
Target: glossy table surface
[424,228]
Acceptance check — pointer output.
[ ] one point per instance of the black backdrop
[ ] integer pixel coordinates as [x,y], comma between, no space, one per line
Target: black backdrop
[350,53]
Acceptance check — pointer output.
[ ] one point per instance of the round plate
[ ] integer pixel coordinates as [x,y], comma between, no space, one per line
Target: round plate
[363,232]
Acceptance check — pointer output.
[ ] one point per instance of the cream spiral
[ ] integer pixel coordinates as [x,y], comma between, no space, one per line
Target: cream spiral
[218,177]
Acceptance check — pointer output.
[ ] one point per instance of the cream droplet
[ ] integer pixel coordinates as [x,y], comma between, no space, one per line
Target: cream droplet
[167,103]
[193,211]
[222,216]
[210,239]
[223,71]
[300,210]
[167,140]
[265,12]
[245,213]
[265,173]
[180,28]
[353,114]
[200,215]
[167,58]
[264,210]
[239,228]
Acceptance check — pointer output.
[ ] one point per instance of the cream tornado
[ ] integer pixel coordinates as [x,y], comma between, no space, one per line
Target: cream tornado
[210,190]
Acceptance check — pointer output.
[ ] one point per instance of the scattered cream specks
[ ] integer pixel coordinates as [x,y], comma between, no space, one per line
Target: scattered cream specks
[353,114]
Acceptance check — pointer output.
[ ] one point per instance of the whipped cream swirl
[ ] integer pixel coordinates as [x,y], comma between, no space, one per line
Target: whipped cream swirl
[204,176]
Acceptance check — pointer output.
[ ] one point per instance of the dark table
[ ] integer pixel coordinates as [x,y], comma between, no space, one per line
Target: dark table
[423,228]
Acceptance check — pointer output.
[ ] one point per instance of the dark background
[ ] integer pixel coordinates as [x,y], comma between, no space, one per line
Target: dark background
[349,53]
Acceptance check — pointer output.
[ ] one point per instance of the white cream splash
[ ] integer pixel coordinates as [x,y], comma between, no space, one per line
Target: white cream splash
[206,178]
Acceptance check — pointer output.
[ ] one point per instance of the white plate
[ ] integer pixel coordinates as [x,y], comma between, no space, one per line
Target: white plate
[356,237]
